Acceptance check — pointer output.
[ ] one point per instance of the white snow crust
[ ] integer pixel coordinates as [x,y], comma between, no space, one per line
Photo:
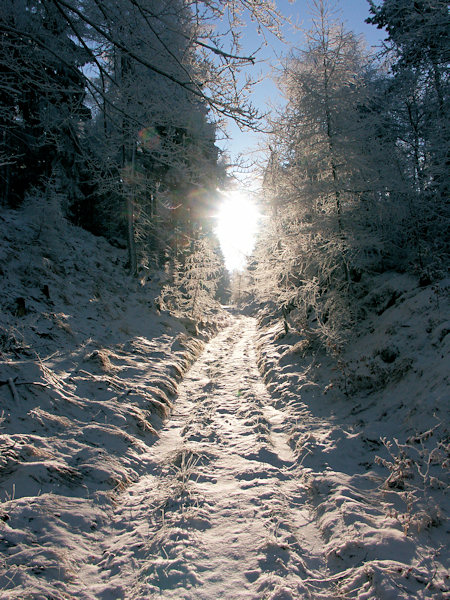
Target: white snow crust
[260,472]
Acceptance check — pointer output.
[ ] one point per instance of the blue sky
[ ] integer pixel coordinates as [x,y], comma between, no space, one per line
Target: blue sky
[352,12]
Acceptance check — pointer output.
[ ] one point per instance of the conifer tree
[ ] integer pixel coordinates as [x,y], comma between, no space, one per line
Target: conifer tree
[42,99]
[417,102]
[323,182]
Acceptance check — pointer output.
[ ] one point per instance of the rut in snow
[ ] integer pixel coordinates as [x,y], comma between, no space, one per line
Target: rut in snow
[223,513]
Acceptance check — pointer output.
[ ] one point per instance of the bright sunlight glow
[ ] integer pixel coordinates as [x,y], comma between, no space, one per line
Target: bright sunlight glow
[237,224]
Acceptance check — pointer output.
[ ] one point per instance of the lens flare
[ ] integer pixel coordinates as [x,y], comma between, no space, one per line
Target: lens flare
[149,138]
[237,225]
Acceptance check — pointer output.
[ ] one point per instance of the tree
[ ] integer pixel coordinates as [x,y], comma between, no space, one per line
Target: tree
[418,35]
[327,180]
[165,82]
[154,66]
[193,279]
[42,97]
[418,101]
[318,169]
[192,25]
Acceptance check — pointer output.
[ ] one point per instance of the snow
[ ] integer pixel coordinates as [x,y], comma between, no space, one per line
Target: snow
[371,430]
[87,376]
[219,514]
[140,461]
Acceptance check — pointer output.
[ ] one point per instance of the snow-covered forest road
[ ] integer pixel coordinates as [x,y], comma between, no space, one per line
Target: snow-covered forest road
[222,514]
[127,475]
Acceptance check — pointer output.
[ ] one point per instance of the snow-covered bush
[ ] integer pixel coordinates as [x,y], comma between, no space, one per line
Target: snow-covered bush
[419,474]
[193,278]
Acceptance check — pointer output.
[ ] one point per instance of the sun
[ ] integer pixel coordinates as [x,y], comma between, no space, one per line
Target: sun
[237,226]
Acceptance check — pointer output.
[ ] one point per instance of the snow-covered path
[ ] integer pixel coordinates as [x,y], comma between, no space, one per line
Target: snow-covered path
[223,513]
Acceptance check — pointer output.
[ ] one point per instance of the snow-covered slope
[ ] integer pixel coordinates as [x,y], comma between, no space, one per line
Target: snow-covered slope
[329,482]
[370,428]
[88,371]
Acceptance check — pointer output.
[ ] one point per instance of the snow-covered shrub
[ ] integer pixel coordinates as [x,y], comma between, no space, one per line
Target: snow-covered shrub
[11,340]
[193,277]
[419,474]
[369,373]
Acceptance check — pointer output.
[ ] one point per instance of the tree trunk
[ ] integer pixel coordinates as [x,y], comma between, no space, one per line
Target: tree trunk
[131,242]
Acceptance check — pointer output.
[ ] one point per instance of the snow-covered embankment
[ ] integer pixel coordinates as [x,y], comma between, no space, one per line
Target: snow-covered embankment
[370,428]
[88,371]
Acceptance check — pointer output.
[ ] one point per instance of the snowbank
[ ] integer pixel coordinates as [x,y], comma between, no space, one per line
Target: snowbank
[88,371]
[370,427]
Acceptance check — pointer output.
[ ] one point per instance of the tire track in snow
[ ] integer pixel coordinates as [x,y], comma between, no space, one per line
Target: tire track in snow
[223,513]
